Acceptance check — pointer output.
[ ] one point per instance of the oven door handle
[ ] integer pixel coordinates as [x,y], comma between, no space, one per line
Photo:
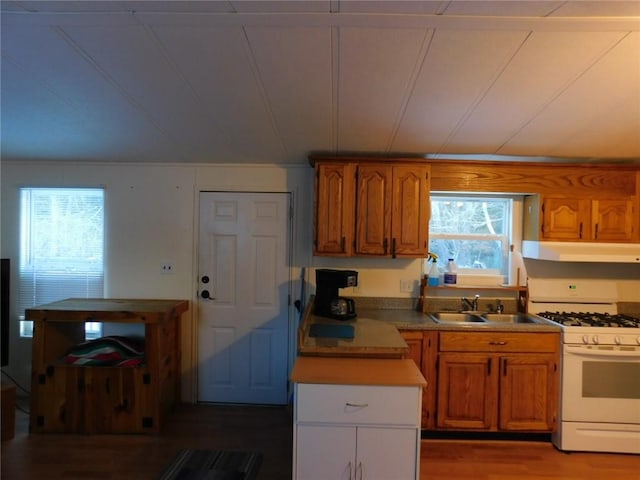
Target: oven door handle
[589,352]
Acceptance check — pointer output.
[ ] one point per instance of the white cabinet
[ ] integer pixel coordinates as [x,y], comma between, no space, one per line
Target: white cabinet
[350,432]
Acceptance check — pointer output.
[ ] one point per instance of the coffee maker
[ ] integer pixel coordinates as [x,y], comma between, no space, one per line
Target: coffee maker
[328,303]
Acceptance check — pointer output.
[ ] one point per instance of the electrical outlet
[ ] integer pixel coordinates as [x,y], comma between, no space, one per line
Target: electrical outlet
[166,267]
[406,286]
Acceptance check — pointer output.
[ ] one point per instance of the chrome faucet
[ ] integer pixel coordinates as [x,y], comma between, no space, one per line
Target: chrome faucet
[470,304]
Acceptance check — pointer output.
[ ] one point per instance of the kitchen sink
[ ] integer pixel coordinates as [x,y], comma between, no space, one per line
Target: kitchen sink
[481,317]
[455,317]
[508,318]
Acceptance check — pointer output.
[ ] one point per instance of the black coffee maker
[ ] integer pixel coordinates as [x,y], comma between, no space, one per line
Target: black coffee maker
[328,303]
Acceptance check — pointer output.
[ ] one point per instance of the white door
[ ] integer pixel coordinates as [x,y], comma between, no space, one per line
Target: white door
[325,452]
[243,296]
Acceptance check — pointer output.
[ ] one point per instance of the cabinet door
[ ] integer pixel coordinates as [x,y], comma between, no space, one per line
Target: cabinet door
[334,209]
[566,219]
[373,209]
[410,213]
[414,341]
[429,371]
[58,400]
[528,392]
[467,391]
[325,452]
[612,220]
[385,453]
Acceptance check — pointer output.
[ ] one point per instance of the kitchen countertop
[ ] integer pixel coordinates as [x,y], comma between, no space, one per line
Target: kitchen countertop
[372,338]
[377,332]
[357,371]
[415,320]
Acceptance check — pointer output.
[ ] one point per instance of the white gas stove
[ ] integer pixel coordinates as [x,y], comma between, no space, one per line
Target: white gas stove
[600,364]
[585,309]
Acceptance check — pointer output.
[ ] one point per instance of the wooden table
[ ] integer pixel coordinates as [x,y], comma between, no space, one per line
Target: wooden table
[80,399]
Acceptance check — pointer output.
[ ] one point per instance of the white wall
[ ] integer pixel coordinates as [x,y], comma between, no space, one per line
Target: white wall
[151,218]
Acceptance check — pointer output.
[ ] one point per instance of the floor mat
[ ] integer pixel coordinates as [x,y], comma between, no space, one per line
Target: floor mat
[212,465]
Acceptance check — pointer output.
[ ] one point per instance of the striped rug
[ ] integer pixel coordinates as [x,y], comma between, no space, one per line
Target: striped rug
[212,465]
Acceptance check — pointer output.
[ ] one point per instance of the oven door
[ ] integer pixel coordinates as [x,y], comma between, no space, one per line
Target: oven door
[601,383]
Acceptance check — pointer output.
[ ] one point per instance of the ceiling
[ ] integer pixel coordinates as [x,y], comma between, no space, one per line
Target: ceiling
[272,81]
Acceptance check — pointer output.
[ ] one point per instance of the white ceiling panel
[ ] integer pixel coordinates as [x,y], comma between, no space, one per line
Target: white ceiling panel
[296,71]
[396,7]
[458,69]
[501,8]
[590,102]
[598,9]
[545,66]
[281,6]
[218,66]
[375,70]
[104,120]
[140,71]
[244,81]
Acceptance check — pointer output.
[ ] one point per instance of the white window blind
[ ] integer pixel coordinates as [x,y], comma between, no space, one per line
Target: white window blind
[61,248]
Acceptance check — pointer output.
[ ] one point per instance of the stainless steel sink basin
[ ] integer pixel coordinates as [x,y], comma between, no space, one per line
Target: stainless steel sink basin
[481,317]
[454,317]
[508,318]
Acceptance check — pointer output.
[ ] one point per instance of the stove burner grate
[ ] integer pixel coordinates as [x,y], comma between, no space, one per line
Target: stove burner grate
[591,319]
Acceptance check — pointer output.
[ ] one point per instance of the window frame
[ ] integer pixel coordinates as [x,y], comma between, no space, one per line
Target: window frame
[513,237]
[28,271]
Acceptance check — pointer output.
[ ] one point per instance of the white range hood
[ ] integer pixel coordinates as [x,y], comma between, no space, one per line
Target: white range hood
[582,251]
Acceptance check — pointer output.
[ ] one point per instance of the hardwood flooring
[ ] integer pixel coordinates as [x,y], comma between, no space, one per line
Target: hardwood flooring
[269,430]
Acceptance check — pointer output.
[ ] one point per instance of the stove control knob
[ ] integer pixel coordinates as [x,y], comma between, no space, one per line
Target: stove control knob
[595,340]
[617,340]
[638,340]
[585,339]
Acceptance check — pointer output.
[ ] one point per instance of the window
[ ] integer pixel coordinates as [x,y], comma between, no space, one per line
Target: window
[61,249]
[473,230]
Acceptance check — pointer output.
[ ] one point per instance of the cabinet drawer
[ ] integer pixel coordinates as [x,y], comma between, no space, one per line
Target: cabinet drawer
[358,404]
[499,342]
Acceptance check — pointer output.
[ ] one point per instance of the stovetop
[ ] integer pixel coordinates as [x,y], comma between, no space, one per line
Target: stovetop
[591,319]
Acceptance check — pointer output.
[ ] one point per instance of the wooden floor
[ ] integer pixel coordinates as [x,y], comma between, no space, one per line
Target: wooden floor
[269,430]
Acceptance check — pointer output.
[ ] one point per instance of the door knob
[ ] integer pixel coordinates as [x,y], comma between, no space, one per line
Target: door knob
[205,279]
[205,294]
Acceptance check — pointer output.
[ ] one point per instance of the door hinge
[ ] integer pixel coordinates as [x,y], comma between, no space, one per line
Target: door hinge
[291,211]
[289,299]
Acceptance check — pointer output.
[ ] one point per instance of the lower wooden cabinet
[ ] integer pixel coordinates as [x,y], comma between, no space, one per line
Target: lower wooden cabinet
[494,381]
[356,431]
[423,350]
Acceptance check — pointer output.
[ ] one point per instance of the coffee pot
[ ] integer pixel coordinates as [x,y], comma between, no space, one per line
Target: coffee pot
[328,302]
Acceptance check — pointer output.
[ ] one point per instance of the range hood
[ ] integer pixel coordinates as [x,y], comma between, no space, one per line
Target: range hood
[582,251]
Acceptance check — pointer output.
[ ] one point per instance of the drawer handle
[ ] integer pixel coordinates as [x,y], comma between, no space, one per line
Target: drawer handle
[357,405]
[502,342]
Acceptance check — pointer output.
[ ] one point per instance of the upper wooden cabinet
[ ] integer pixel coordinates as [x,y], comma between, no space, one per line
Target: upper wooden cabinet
[334,209]
[578,219]
[392,210]
[372,209]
